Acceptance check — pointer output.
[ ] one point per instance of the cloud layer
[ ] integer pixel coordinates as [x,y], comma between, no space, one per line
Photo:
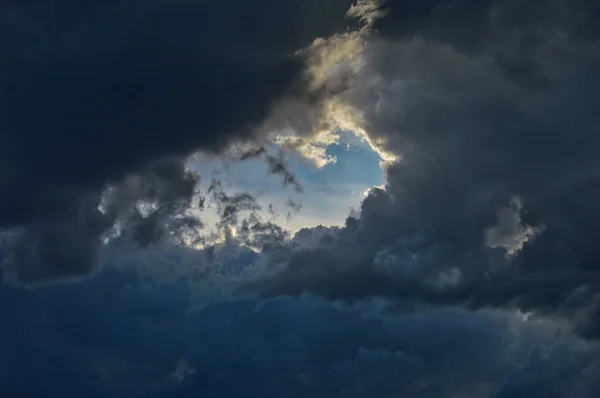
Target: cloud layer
[490,111]
[146,342]
[96,96]
[472,272]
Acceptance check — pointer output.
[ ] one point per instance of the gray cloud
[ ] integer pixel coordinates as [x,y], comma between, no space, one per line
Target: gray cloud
[492,108]
[75,341]
[309,347]
[94,95]
[558,370]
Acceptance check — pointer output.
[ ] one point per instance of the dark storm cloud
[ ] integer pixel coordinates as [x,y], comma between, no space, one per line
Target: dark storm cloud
[149,206]
[305,348]
[166,189]
[553,371]
[492,110]
[92,94]
[73,341]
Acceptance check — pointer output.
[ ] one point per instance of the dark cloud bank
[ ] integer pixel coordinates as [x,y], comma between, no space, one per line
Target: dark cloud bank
[492,109]
[119,335]
[492,206]
[119,93]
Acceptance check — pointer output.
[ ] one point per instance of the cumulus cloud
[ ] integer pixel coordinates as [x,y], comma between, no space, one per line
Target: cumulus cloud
[94,96]
[559,370]
[147,342]
[480,106]
[484,116]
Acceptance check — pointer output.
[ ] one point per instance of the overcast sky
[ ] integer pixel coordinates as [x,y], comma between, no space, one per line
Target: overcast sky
[317,198]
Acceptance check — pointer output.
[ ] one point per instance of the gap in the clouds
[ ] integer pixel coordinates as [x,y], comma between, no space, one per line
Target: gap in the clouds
[329,192]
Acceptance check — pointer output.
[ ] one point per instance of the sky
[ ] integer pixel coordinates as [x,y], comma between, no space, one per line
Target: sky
[317,198]
[329,191]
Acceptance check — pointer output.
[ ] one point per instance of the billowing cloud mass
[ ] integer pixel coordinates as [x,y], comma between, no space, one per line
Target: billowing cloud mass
[119,335]
[474,271]
[115,95]
[491,112]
